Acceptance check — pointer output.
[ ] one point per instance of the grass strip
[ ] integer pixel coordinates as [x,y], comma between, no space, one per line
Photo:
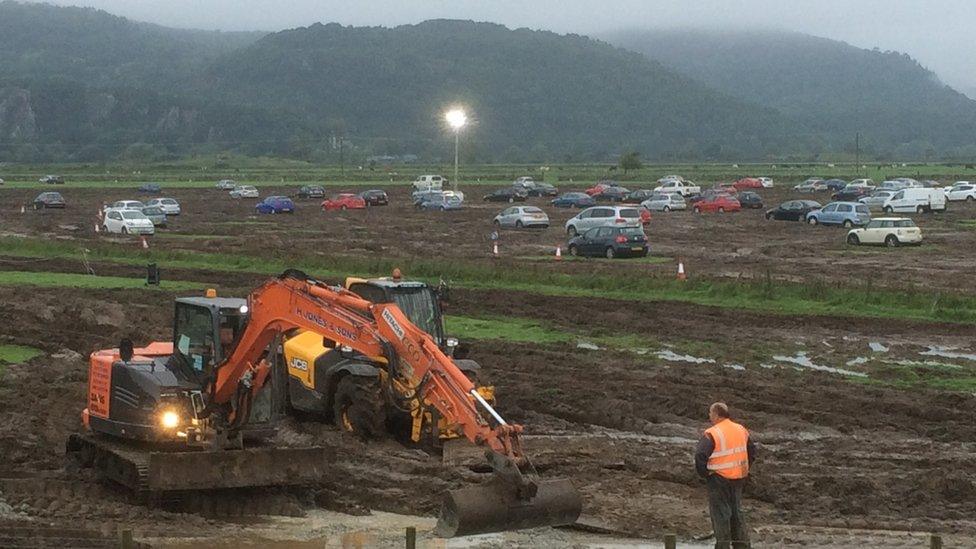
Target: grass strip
[72,280]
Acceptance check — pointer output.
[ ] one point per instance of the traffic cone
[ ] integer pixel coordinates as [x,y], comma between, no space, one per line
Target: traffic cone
[681,271]
[23,209]
[145,243]
[97,228]
[559,252]
[494,249]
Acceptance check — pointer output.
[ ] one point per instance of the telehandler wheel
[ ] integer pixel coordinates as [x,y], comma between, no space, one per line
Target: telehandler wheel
[358,406]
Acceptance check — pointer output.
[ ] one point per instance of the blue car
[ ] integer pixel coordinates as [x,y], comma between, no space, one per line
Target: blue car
[441,203]
[573,200]
[834,185]
[150,188]
[848,214]
[275,205]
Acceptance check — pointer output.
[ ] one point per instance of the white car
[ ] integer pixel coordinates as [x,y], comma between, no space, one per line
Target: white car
[522,216]
[127,222]
[668,178]
[767,182]
[665,202]
[226,185]
[245,191]
[429,183]
[685,188]
[864,183]
[126,205]
[168,205]
[961,190]
[811,185]
[877,199]
[890,231]
[603,216]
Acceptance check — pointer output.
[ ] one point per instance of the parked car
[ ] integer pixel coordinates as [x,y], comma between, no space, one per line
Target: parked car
[48,200]
[767,182]
[602,216]
[442,202]
[542,189]
[747,183]
[375,197]
[610,242]
[835,185]
[962,190]
[344,201]
[612,194]
[127,222]
[506,195]
[890,231]
[245,191]
[573,200]
[149,188]
[226,185]
[720,203]
[894,185]
[876,200]
[749,199]
[917,200]
[665,202]
[636,197]
[156,215]
[867,183]
[429,183]
[524,184]
[522,216]
[811,185]
[275,205]
[2,181]
[668,178]
[851,194]
[848,214]
[600,186]
[52,179]
[126,205]
[169,205]
[685,188]
[793,210]
[311,191]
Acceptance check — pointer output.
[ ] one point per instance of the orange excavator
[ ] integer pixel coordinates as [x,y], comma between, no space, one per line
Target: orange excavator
[198,412]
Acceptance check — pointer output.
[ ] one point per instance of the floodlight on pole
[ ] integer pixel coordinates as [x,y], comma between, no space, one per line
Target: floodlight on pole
[456,118]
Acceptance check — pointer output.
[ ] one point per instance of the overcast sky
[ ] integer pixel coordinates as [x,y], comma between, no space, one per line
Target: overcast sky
[939,33]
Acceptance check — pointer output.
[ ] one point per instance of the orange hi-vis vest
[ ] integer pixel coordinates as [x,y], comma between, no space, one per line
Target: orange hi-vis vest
[730,458]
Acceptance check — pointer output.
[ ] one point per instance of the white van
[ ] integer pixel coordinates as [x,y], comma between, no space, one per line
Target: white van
[427,183]
[916,200]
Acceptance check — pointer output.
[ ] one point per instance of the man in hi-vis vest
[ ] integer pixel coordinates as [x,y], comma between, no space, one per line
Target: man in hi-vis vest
[723,457]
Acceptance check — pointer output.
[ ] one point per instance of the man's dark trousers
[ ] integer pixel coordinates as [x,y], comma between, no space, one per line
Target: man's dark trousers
[725,507]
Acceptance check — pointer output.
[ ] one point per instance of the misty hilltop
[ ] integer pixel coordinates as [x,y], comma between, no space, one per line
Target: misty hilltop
[81,84]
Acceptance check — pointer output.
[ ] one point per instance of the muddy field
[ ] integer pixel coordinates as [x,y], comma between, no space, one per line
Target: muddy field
[842,461]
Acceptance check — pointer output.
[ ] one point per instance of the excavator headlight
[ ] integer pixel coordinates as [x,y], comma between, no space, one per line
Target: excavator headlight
[169,419]
[244,309]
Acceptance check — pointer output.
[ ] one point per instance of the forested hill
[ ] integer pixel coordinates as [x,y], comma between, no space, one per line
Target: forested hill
[831,87]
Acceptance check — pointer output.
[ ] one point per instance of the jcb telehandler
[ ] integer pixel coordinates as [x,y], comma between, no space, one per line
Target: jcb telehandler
[183,415]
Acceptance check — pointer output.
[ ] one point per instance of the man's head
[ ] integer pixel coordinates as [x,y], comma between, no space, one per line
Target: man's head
[717,412]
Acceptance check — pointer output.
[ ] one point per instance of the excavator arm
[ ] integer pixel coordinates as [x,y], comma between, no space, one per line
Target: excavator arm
[383,330]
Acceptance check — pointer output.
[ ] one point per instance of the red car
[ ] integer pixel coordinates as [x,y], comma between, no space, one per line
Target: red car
[747,183]
[599,188]
[720,203]
[344,201]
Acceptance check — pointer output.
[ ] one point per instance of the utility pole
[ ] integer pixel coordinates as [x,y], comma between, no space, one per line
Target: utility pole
[857,151]
[457,139]
[342,163]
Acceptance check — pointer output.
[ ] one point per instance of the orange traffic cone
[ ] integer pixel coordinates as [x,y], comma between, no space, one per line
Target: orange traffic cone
[559,252]
[145,243]
[681,271]
[494,249]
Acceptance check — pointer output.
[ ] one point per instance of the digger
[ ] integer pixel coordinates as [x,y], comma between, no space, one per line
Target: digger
[197,412]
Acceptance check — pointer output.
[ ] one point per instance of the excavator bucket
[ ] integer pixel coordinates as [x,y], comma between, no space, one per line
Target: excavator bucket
[495,507]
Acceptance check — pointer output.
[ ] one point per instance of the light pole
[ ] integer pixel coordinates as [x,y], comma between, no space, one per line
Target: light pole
[456,119]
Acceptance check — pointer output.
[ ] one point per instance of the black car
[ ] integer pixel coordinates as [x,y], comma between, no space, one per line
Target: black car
[311,191]
[612,194]
[150,188]
[639,196]
[851,195]
[835,184]
[49,200]
[610,242]
[506,195]
[573,200]
[542,189]
[794,210]
[750,199]
[375,197]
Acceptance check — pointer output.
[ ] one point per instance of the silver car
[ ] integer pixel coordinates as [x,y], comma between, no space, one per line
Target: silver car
[156,215]
[603,216]
[168,205]
[522,216]
[877,199]
[665,202]
[226,185]
[244,191]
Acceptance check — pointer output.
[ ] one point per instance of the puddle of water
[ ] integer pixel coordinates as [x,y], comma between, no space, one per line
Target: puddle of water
[588,346]
[667,354]
[947,352]
[929,363]
[877,347]
[803,361]
[734,366]
[856,361]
